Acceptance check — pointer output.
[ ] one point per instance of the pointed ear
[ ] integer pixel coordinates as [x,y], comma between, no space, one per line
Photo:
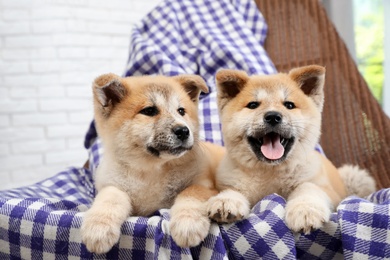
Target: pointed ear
[311,80]
[229,84]
[193,85]
[108,91]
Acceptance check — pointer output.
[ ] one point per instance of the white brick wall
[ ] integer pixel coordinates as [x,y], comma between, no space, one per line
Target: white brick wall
[50,51]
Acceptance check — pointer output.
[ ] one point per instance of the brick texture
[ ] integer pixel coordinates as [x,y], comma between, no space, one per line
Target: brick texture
[50,52]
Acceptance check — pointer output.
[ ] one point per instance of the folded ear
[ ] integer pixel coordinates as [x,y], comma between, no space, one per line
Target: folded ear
[108,91]
[229,84]
[311,80]
[193,85]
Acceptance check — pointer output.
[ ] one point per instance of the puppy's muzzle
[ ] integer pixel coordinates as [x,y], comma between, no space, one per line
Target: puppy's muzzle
[274,141]
[182,132]
[273,118]
[175,141]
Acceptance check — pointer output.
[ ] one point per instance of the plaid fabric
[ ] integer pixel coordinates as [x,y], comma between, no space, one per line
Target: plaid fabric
[42,221]
[263,234]
[365,226]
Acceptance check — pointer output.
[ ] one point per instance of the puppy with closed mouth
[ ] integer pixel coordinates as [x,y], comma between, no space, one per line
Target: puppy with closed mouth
[152,158]
[270,125]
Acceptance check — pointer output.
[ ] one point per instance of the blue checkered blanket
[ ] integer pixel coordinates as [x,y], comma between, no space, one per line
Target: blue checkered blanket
[42,221]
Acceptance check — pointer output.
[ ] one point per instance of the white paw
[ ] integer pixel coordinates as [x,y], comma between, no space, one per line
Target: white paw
[303,216]
[99,234]
[228,206]
[189,228]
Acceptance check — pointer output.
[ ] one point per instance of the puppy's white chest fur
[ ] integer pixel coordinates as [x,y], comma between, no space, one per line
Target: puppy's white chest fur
[262,181]
[147,190]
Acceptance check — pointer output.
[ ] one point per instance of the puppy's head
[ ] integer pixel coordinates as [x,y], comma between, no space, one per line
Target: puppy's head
[149,116]
[271,118]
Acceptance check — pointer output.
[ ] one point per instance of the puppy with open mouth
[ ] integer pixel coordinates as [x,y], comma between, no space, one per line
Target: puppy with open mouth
[153,158]
[270,125]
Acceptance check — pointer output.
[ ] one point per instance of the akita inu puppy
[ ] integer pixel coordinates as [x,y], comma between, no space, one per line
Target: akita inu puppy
[271,124]
[149,129]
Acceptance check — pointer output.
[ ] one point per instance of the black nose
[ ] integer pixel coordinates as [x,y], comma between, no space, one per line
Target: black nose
[273,118]
[181,132]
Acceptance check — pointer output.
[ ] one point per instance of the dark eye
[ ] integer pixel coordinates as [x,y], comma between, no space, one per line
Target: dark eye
[149,111]
[181,111]
[253,105]
[289,105]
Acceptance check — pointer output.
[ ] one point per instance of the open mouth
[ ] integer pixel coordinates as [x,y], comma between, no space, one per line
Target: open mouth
[271,147]
[176,151]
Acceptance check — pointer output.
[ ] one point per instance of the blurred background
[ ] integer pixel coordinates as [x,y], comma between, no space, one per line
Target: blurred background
[51,50]
[363,26]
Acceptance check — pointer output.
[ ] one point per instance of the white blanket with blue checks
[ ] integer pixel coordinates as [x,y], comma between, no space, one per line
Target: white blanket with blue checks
[42,221]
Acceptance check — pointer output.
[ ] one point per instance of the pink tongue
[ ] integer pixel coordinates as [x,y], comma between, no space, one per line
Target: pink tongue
[272,149]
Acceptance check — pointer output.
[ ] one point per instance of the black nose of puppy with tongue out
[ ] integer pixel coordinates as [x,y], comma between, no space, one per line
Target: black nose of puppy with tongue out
[272,148]
[273,118]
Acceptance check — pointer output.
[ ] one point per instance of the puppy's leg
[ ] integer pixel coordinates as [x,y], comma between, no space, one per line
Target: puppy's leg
[228,206]
[308,207]
[102,222]
[190,224]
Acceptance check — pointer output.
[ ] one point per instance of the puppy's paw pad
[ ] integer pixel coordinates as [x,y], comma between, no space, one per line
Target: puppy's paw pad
[306,217]
[189,231]
[99,237]
[228,207]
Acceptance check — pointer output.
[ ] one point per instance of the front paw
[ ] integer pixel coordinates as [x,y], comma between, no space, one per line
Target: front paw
[189,229]
[99,234]
[228,206]
[303,216]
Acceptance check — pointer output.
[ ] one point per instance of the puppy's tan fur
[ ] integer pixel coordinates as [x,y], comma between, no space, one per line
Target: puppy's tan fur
[309,181]
[146,164]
